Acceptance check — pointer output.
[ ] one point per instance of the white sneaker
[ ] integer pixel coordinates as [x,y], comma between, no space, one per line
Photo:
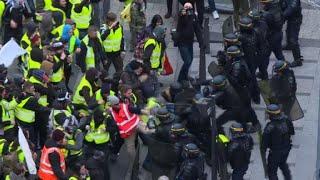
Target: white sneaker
[215,14]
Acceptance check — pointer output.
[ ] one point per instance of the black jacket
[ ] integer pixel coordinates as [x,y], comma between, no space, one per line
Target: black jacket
[239,151]
[187,27]
[291,9]
[54,160]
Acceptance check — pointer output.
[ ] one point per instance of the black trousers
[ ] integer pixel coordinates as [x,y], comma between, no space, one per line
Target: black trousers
[293,29]
[278,159]
[275,40]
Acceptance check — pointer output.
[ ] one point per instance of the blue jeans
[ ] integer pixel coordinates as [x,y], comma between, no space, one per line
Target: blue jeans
[186,52]
[212,5]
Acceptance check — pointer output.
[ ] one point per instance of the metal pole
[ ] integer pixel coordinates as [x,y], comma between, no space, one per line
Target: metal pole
[202,65]
[213,138]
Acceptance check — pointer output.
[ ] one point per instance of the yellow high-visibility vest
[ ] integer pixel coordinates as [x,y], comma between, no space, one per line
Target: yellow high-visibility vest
[24,115]
[156,53]
[83,18]
[113,41]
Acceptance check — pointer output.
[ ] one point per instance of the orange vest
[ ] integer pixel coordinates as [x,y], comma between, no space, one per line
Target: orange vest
[125,120]
[45,171]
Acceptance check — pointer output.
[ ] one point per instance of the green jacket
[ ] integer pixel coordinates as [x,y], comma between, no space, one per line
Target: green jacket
[138,17]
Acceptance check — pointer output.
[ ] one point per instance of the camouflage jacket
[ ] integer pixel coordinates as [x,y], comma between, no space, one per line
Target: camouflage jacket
[138,17]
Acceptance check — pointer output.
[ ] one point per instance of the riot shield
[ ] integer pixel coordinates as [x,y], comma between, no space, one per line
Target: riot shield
[227,26]
[164,158]
[214,69]
[274,88]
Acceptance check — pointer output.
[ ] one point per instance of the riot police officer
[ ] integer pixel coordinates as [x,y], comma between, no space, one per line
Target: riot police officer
[277,138]
[236,107]
[230,39]
[162,132]
[249,41]
[283,86]
[239,151]
[240,76]
[180,137]
[274,18]
[192,166]
[263,50]
[293,15]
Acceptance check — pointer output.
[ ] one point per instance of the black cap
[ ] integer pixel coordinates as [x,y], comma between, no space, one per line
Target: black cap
[245,23]
[162,113]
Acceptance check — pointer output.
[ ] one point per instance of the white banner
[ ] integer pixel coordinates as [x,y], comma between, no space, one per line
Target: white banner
[10,51]
[27,152]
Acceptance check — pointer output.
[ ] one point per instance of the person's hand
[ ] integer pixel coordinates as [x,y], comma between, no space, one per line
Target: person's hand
[63,56]
[145,111]
[69,59]
[101,101]
[13,24]
[183,12]
[78,50]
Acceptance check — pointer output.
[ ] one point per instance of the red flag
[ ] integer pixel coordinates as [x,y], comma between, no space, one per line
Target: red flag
[167,68]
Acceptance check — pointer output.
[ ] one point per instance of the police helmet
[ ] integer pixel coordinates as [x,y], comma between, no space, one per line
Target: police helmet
[231,38]
[219,81]
[245,23]
[279,66]
[273,109]
[190,150]
[236,128]
[254,14]
[162,114]
[177,129]
[234,51]
[266,1]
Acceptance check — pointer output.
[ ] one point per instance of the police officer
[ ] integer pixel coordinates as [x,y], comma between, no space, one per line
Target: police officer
[283,85]
[230,39]
[240,76]
[263,50]
[166,120]
[113,43]
[236,107]
[273,16]
[277,138]
[249,42]
[239,150]
[192,166]
[292,13]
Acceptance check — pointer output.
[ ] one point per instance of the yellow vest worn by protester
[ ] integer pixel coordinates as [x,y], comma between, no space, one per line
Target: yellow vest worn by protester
[71,141]
[2,8]
[59,30]
[90,61]
[24,115]
[156,53]
[97,135]
[113,41]
[83,18]
[99,97]
[59,75]
[2,144]
[54,9]
[54,113]
[8,113]
[78,99]
[43,100]
[19,152]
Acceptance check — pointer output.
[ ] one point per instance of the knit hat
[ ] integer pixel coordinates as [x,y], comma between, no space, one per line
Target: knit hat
[57,135]
[159,31]
[113,100]
[31,27]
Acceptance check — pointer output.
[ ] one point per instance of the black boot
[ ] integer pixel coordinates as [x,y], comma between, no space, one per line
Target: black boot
[296,63]
[168,15]
[286,47]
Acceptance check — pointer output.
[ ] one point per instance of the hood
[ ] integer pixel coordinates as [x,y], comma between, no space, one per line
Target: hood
[65,33]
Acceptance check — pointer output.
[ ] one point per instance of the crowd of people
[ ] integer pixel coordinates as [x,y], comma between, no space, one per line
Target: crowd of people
[76,133]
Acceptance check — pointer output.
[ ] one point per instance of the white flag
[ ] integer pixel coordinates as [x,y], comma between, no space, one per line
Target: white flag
[27,152]
[10,51]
